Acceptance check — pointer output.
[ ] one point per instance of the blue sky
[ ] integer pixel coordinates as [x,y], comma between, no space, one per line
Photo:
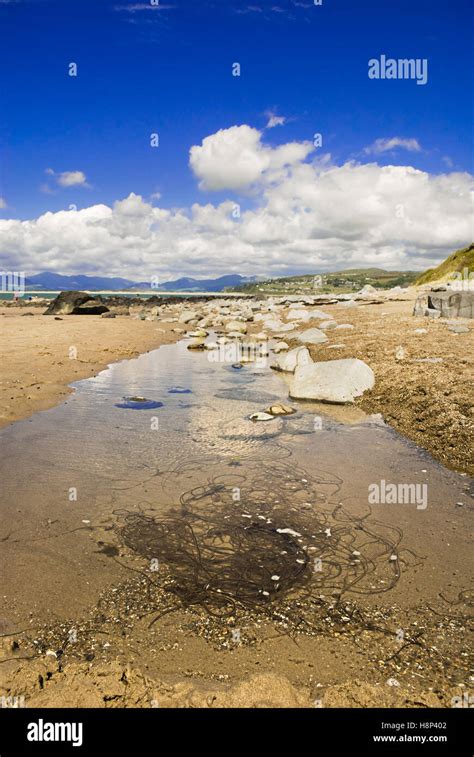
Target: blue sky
[85,140]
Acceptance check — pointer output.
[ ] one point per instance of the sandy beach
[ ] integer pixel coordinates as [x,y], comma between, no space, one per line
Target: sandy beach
[38,364]
[128,648]
[425,393]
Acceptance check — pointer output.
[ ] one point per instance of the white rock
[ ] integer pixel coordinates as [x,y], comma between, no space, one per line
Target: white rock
[327,325]
[344,327]
[299,356]
[320,315]
[367,289]
[349,304]
[273,325]
[286,327]
[188,315]
[312,336]
[338,381]
[298,315]
[238,326]
[280,347]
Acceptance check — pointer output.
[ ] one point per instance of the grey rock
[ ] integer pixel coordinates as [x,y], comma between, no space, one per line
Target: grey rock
[76,303]
[328,325]
[337,381]
[188,315]
[448,304]
[236,326]
[290,360]
[312,336]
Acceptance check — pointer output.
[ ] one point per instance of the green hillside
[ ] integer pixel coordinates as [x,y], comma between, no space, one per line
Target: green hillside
[350,280]
[456,263]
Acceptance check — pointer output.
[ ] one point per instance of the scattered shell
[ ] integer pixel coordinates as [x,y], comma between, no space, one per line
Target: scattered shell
[261,417]
[287,531]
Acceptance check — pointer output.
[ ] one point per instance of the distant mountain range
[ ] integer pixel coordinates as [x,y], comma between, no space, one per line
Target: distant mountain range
[55,281]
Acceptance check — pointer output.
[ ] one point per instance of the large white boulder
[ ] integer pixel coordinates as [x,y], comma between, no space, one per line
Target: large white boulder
[338,381]
[312,336]
[290,360]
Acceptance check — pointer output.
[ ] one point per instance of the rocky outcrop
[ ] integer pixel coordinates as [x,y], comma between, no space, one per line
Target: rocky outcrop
[76,303]
[447,304]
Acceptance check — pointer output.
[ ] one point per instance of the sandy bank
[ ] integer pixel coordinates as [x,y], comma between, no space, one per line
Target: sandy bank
[36,351]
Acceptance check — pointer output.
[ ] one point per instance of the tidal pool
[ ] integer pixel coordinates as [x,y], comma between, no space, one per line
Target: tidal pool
[68,473]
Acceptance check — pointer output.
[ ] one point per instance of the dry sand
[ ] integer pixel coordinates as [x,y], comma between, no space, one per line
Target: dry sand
[36,367]
[432,403]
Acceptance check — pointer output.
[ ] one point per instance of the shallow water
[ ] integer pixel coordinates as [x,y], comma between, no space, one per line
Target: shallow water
[67,472]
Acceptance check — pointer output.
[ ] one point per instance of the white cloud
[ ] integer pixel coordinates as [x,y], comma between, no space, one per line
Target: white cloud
[392,143]
[150,6]
[67,178]
[3,203]
[306,215]
[236,159]
[274,120]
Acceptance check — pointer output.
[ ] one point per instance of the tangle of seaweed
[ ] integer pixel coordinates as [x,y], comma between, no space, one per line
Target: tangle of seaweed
[253,540]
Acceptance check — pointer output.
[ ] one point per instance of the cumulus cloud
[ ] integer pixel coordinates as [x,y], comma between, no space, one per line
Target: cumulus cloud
[382,145]
[304,216]
[237,159]
[68,178]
